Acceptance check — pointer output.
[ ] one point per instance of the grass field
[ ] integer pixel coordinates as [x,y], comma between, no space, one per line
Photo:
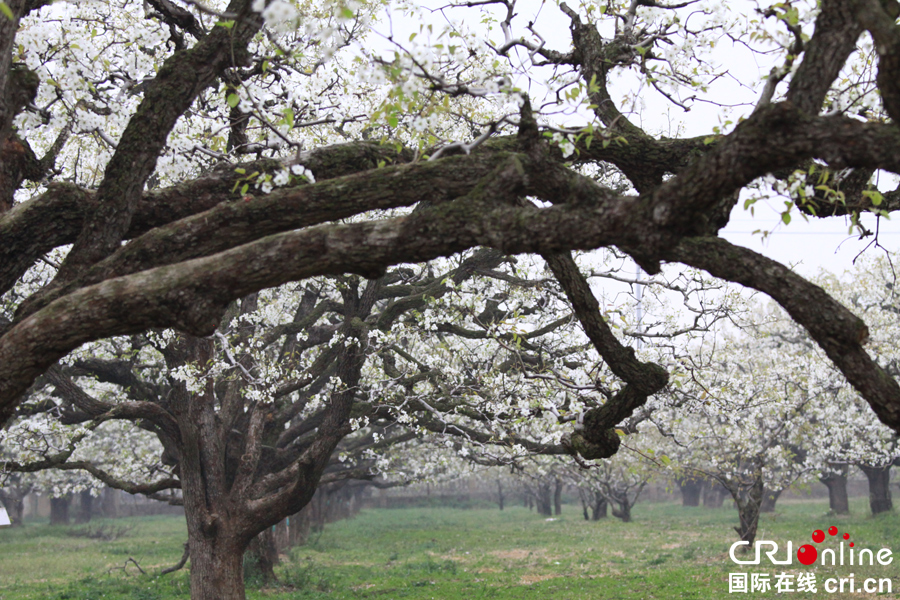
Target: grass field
[667,552]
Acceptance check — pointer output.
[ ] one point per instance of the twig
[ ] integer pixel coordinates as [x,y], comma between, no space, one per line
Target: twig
[125,566]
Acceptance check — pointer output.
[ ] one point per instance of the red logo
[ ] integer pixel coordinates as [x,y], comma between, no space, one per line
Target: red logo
[807,553]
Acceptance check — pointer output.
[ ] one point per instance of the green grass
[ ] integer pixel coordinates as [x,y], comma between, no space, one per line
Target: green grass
[668,552]
[39,561]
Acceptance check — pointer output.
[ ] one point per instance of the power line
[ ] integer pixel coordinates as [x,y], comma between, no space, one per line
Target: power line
[780,233]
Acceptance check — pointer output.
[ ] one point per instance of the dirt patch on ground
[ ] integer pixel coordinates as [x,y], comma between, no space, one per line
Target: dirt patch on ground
[529,579]
[451,556]
[520,554]
[364,586]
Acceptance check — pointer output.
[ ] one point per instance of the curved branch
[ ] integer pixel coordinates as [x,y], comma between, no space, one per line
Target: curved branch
[597,438]
[826,52]
[179,81]
[840,333]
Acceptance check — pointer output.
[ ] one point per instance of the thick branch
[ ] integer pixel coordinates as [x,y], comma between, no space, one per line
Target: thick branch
[180,80]
[231,224]
[55,218]
[598,439]
[837,331]
[837,30]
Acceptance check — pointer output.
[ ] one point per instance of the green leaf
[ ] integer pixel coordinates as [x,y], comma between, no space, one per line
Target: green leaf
[786,217]
[393,122]
[7,11]
[875,196]
[233,100]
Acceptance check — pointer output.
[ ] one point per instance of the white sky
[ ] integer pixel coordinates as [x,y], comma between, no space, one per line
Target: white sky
[808,246]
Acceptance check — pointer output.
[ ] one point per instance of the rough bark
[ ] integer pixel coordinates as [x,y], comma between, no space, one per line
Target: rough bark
[32,345]
[216,568]
[748,504]
[839,332]
[597,438]
[833,39]
[879,488]
[189,260]
[168,95]
[836,482]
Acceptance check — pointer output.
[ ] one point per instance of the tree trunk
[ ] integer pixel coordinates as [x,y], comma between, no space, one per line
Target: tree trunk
[59,510]
[282,541]
[879,488]
[500,494]
[836,483]
[298,527]
[768,501]
[14,501]
[216,569]
[748,511]
[622,510]
[85,508]
[109,505]
[16,509]
[557,498]
[599,510]
[543,500]
[691,489]
[584,504]
[261,558]
[714,494]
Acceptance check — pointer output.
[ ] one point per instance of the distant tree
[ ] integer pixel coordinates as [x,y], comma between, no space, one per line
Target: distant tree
[744,422]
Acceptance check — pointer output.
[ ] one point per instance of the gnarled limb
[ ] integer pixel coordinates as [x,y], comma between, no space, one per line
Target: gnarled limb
[837,331]
[597,437]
